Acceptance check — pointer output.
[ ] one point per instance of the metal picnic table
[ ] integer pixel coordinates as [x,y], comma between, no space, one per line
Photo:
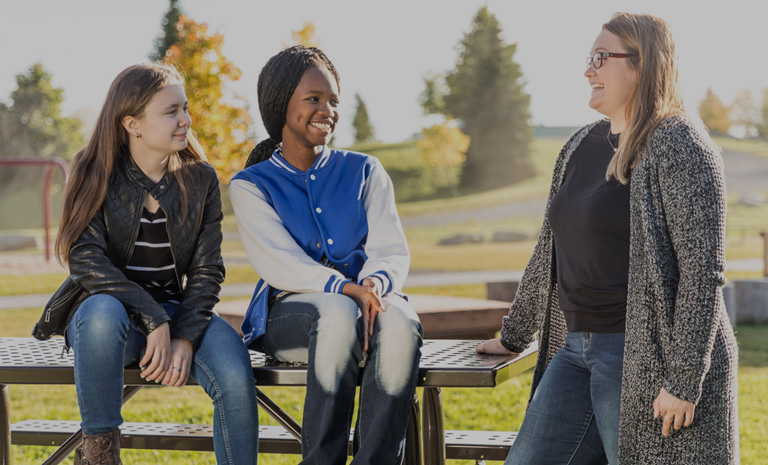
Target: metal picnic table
[444,363]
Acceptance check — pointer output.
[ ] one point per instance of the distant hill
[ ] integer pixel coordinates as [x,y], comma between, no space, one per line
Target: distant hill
[554,131]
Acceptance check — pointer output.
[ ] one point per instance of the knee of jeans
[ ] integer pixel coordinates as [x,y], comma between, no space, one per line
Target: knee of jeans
[397,344]
[338,345]
[101,314]
[235,384]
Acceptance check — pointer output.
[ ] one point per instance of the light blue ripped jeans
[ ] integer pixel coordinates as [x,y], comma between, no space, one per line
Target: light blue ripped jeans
[326,331]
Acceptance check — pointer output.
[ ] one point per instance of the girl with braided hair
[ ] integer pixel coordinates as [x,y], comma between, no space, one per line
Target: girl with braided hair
[321,229]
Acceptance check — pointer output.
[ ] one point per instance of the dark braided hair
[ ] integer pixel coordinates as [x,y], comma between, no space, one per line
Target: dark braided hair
[277,81]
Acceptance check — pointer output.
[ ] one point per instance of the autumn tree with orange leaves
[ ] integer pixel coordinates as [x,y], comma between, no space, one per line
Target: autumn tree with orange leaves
[219,117]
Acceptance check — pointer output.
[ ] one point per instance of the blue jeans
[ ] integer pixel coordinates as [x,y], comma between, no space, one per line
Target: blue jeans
[573,418]
[105,339]
[326,331]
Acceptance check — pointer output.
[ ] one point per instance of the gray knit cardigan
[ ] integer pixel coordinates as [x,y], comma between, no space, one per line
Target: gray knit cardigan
[677,331]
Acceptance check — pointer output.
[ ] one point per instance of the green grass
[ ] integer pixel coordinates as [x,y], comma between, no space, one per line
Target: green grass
[754,146]
[543,155]
[23,284]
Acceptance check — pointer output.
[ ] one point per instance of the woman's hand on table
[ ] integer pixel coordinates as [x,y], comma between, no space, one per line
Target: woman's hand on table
[493,347]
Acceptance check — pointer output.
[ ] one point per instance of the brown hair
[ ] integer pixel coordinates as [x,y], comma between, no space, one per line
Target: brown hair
[129,95]
[657,94]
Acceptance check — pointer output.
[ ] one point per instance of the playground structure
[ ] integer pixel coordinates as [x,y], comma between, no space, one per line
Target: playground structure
[49,165]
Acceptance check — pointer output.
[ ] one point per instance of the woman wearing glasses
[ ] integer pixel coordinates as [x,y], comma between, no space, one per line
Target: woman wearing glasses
[637,357]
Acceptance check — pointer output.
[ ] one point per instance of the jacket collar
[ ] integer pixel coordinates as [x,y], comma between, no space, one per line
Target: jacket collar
[280,162]
[134,173]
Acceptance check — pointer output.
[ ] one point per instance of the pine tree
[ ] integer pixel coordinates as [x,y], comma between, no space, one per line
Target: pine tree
[485,93]
[170,33]
[361,123]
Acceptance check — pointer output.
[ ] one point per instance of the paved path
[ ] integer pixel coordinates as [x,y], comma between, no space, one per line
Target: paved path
[415,279]
[744,173]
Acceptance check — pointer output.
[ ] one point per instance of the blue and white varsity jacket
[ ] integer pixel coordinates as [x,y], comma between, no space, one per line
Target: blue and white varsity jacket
[340,212]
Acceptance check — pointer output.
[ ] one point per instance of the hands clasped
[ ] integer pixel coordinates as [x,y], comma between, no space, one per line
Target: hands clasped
[368,297]
[166,360]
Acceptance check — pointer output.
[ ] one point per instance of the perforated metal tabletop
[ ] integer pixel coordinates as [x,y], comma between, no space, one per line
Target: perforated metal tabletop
[444,363]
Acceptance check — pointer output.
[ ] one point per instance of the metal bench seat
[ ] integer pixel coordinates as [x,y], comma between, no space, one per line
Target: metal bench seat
[468,445]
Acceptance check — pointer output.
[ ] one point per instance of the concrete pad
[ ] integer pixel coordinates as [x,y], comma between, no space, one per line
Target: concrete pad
[751,299]
[441,317]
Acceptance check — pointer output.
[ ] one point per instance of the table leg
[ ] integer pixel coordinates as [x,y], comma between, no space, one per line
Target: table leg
[433,429]
[74,441]
[5,425]
[414,449]
[279,415]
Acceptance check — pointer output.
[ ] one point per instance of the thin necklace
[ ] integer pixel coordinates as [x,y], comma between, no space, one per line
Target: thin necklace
[608,138]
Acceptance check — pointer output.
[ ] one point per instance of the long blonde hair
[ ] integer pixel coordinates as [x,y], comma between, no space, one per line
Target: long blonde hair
[657,94]
[129,95]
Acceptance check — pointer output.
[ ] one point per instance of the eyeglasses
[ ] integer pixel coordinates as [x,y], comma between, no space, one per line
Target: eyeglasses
[597,60]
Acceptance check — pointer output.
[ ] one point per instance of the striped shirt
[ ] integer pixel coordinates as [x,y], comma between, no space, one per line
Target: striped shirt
[151,264]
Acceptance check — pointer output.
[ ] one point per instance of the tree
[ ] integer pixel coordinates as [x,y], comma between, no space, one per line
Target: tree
[762,127]
[306,36]
[444,146]
[219,117]
[744,113]
[714,114]
[361,124]
[170,34]
[485,93]
[33,124]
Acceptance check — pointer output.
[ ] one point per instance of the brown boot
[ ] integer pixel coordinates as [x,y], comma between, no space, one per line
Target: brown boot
[102,449]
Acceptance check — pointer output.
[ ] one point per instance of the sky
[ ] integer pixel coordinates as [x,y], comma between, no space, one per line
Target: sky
[382,50]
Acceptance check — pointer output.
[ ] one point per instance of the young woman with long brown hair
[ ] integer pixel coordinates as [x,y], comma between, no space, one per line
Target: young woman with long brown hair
[637,357]
[141,232]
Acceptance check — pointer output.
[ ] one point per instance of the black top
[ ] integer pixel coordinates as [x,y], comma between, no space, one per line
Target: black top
[151,264]
[590,225]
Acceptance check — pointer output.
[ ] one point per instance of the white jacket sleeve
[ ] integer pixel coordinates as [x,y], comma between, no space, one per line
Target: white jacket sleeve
[273,253]
[386,246]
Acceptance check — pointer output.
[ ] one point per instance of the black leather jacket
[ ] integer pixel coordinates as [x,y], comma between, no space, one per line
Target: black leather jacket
[99,255]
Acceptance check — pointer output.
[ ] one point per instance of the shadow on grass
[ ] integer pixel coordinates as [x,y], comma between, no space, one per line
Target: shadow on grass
[753,345]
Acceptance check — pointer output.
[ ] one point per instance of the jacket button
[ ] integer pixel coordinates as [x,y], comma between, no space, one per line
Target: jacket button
[319,245]
[319,210]
[346,265]
[162,186]
[330,241]
[312,177]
